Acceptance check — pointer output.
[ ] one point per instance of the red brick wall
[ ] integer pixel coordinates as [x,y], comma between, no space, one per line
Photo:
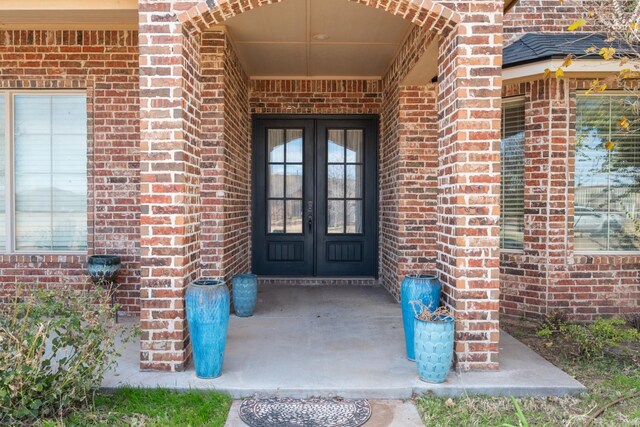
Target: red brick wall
[539,16]
[226,161]
[547,275]
[212,215]
[237,198]
[315,96]
[105,64]
[418,179]
[389,196]
[408,170]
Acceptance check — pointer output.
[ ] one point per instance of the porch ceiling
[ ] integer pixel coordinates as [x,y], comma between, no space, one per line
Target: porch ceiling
[278,41]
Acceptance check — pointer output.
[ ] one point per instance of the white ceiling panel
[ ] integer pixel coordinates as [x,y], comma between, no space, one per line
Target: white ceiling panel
[278,22]
[274,59]
[277,40]
[345,21]
[350,60]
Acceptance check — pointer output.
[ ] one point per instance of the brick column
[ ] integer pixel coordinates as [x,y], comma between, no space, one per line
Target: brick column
[470,60]
[548,199]
[170,151]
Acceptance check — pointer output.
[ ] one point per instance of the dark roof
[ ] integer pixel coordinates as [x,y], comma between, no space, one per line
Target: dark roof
[535,47]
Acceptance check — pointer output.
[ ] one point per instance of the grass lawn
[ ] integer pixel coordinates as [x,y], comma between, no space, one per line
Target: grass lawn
[151,408]
[606,380]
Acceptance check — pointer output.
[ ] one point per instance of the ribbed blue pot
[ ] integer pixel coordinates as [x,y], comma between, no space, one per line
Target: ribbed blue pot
[207,305]
[245,294]
[423,288]
[434,348]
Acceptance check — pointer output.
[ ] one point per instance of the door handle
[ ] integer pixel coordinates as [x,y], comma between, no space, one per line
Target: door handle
[310,215]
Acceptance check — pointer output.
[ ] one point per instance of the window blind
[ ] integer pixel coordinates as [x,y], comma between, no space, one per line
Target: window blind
[50,144]
[607,178]
[3,224]
[512,175]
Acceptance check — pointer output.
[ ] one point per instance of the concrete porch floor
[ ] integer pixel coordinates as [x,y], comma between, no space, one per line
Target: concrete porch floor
[339,341]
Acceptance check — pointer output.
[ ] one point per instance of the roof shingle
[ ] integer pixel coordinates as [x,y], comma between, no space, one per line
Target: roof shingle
[535,47]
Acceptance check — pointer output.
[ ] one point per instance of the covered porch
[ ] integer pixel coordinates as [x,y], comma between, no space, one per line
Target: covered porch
[346,341]
[430,72]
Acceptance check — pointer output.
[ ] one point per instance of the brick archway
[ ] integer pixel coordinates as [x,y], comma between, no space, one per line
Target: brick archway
[194,108]
[422,13]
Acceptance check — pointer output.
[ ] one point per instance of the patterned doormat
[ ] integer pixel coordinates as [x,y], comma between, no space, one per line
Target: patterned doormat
[287,412]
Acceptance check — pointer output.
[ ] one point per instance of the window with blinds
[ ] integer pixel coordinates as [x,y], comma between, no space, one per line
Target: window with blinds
[48,198]
[3,132]
[512,175]
[607,176]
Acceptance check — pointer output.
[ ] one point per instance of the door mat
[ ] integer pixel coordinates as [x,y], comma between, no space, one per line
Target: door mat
[315,412]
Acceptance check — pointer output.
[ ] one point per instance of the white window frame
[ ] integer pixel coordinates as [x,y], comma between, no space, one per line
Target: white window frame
[506,100]
[594,252]
[9,153]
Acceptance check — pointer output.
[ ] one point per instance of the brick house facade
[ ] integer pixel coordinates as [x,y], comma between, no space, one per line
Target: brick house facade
[170,110]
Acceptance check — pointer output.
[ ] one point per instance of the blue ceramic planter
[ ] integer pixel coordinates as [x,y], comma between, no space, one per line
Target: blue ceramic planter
[434,348]
[103,267]
[207,305]
[423,288]
[245,294]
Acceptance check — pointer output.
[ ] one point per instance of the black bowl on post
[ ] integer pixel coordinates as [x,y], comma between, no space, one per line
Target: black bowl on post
[104,270]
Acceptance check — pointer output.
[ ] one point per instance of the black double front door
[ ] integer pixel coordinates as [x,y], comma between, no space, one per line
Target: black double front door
[315,197]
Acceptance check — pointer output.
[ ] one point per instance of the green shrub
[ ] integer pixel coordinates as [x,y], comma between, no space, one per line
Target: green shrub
[55,346]
[597,338]
[593,340]
[633,320]
[554,323]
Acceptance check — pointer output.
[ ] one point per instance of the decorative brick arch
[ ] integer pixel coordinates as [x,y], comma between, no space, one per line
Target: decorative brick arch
[423,13]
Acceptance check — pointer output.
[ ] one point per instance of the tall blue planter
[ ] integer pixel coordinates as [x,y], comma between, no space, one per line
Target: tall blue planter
[424,288]
[434,348]
[245,294]
[207,305]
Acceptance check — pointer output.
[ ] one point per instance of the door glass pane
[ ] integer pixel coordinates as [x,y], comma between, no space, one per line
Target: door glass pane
[294,145]
[276,181]
[335,220]
[354,145]
[345,180]
[354,181]
[335,181]
[275,216]
[275,138]
[354,216]
[285,180]
[335,146]
[294,216]
[294,181]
